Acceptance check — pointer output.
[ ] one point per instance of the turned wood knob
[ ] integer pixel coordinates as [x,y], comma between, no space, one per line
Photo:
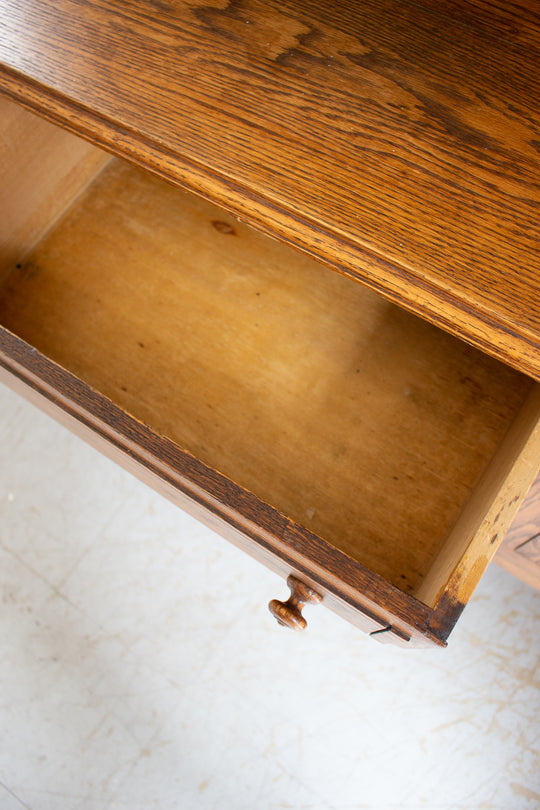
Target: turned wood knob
[289,613]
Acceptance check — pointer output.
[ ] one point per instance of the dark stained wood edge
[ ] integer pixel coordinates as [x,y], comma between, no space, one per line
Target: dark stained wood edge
[445,615]
[347,586]
[512,344]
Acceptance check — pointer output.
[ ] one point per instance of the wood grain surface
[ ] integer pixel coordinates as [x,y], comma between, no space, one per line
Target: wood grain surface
[486,517]
[348,588]
[351,417]
[289,612]
[397,141]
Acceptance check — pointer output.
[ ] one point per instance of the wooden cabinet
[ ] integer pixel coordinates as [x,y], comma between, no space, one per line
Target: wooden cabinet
[181,183]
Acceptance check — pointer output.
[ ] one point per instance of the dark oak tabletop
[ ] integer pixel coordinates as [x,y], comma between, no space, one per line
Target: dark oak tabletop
[397,140]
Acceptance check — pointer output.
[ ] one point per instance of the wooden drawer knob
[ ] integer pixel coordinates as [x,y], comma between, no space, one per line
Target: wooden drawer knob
[289,613]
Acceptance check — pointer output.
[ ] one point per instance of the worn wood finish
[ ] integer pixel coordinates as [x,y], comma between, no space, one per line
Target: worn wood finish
[289,613]
[42,170]
[519,552]
[396,141]
[351,417]
[350,589]
[486,517]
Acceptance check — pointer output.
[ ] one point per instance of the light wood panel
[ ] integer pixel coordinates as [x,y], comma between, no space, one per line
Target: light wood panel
[488,513]
[350,416]
[519,552]
[42,169]
[396,140]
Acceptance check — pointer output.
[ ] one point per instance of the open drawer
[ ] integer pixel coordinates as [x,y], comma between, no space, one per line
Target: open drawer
[317,425]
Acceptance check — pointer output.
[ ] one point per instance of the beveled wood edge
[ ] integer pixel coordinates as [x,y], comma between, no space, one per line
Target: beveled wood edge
[465,319]
[257,527]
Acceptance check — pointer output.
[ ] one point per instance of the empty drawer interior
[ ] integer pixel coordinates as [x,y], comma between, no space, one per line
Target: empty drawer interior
[352,417]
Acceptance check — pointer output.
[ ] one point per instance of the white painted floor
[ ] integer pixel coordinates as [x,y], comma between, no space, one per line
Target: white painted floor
[140,668]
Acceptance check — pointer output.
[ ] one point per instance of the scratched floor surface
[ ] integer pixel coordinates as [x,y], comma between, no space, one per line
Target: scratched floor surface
[140,669]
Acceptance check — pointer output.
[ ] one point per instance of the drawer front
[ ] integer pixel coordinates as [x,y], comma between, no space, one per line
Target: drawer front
[355,593]
[348,588]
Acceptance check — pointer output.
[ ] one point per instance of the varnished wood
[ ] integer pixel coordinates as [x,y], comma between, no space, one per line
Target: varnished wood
[289,613]
[519,552]
[350,589]
[414,171]
[396,141]
[349,416]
